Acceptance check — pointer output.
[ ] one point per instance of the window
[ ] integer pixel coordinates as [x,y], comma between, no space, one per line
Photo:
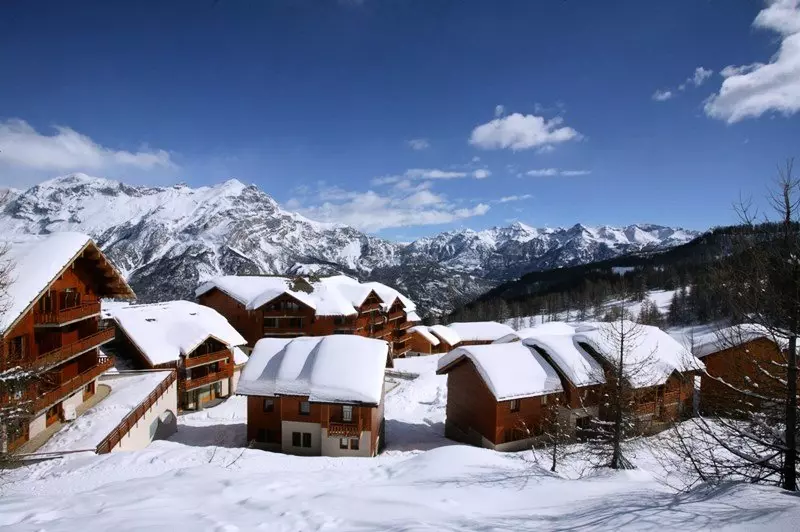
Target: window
[343,443]
[354,444]
[295,323]
[347,413]
[273,436]
[296,439]
[269,405]
[305,408]
[339,320]
[306,439]
[291,305]
[16,348]
[514,405]
[70,298]
[544,399]
[270,323]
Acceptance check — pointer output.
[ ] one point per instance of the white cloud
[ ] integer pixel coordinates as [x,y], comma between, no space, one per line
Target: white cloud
[541,172]
[401,180]
[546,149]
[476,159]
[521,132]
[546,172]
[372,211]
[521,197]
[662,96]
[419,144]
[749,91]
[701,75]
[21,146]
[499,110]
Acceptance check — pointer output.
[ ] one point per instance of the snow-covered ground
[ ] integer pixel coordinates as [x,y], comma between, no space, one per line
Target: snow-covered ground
[422,482]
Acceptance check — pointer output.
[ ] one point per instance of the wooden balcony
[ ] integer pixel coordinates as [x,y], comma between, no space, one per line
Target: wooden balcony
[283,331]
[65,352]
[201,360]
[68,315]
[116,435]
[401,336]
[401,350]
[671,398]
[405,325]
[344,429]
[370,307]
[66,388]
[399,314]
[382,333]
[186,385]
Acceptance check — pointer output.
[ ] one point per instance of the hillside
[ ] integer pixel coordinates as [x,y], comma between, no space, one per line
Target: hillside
[167,240]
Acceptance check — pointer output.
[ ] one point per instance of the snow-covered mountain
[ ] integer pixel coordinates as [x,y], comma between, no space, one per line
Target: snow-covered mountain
[168,239]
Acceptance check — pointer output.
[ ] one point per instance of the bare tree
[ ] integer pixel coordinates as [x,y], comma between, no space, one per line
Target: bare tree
[626,368]
[755,436]
[555,433]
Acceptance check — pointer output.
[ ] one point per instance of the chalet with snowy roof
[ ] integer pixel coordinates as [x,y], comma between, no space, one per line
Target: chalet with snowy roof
[479,332]
[448,338]
[196,341]
[747,357]
[498,395]
[423,341]
[660,370]
[316,395]
[282,307]
[49,327]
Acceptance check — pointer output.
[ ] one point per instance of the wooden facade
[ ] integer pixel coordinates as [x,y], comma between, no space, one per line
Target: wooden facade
[740,366]
[476,417]
[326,429]
[57,337]
[203,375]
[287,317]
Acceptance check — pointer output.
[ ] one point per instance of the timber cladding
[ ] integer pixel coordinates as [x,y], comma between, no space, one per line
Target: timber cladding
[740,366]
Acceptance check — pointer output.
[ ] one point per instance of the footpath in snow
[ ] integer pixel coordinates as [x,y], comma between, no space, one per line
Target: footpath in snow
[422,482]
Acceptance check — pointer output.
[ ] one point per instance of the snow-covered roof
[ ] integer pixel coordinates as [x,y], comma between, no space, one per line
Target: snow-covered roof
[445,333]
[239,356]
[338,295]
[412,316]
[651,355]
[550,327]
[423,331]
[34,262]
[510,371]
[480,331]
[578,366]
[328,369]
[733,336]
[165,331]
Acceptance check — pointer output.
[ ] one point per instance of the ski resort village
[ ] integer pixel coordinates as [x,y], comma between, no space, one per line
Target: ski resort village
[399,265]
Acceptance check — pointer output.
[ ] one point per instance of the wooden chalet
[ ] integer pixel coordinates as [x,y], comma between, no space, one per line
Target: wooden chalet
[741,356]
[479,332]
[281,307]
[49,326]
[195,340]
[498,395]
[659,369]
[423,342]
[316,395]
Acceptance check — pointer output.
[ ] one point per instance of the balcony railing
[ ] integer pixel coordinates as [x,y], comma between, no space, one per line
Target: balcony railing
[401,336]
[201,360]
[116,435]
[396,315]
[405,325]
[369,307]
[401,351]
[68,315]
[186,385]
[344,430]
[75,383]
[68,351]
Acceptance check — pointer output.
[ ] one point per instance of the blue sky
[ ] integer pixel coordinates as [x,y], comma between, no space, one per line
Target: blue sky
[409,117]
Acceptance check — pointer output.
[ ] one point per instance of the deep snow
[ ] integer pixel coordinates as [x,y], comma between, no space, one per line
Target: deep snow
[422,482]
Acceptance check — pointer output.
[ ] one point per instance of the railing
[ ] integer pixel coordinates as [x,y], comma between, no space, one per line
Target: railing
[64,352]
[191,362]
[402,351]
[370,307]
[190,384]
[73,384]
[405,325]
[671,398]
[116,435]
[401,337]
[284,331]
[381,333]
[344,430]
[396,315]
[67,315]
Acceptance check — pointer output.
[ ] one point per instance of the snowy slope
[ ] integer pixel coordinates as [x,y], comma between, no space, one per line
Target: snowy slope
[423,482]
[169,239]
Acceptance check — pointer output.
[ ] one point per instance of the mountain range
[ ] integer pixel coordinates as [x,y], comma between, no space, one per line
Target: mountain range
[166,240]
